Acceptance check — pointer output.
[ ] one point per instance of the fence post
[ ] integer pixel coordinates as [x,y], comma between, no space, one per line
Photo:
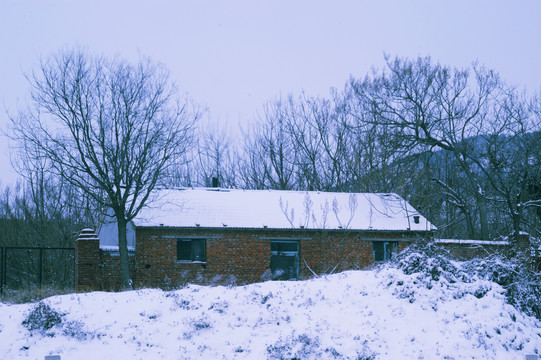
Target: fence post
[40,272]
[2,269]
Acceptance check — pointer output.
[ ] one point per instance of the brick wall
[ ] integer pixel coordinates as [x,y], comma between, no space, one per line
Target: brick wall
[238,257]
[335,252]
[233,256]
[469,249]
[109,272]
[96,269]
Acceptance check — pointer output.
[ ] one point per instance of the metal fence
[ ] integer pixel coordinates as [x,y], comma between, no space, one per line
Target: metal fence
[36,267]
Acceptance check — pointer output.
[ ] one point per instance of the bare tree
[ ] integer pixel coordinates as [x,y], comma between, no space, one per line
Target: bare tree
[429,106]
[320,128]
[215,162]
[510,157]
[269,151]
[459,144]
[108,127]
[374,154]
[307,142]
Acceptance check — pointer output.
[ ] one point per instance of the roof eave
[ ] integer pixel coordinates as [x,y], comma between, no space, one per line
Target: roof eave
[215,228]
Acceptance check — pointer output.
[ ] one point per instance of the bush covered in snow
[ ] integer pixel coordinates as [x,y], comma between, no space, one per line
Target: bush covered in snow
[45,320]
[431,265]
[304,346]
[522,286]
[42,318]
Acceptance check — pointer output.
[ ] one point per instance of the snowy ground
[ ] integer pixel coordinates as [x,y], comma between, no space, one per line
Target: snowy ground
[352,315]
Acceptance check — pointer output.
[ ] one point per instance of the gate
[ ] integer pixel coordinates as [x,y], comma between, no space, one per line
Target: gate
[31,267]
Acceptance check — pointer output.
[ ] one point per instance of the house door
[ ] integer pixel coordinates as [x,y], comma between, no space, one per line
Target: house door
[285,260]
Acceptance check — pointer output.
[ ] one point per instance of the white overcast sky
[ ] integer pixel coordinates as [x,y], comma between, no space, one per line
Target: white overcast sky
[233,56]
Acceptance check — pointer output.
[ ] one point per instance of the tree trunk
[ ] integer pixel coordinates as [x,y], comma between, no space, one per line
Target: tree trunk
[125,281]
[481,201]
[469,223]
[516,216]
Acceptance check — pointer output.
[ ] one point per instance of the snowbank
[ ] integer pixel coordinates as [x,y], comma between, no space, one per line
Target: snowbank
[352,315]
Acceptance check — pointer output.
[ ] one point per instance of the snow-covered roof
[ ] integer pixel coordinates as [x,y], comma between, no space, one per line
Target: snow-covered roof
[276,209]
[471,242]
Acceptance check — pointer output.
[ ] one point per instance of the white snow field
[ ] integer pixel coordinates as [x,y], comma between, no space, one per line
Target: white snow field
[372,314]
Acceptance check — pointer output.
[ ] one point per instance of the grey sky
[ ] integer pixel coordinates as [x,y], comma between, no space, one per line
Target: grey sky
[233,56]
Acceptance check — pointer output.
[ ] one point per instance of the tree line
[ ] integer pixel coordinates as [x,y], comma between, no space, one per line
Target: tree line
[461,145]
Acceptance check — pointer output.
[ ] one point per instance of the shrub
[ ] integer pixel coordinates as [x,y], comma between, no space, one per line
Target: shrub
[431,263]
[295,347]
[76,330]
[32,294]
[42,318]
[522,287]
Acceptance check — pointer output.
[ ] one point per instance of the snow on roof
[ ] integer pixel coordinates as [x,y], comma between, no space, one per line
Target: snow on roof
[471,242]
[276,209]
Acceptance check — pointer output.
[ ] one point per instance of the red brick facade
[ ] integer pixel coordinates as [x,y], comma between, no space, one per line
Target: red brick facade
[237,256]
[469,249]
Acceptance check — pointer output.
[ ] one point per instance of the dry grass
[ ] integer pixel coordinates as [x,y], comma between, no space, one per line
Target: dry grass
[30,295]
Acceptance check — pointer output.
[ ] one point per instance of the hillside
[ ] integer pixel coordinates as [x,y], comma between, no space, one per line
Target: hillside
[374,314]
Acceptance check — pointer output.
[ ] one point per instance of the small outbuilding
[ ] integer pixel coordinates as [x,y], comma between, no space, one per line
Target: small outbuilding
[221,236]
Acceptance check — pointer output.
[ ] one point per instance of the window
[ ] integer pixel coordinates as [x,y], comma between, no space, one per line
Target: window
[191,250]
[384,249]
[285,260]
[289,248]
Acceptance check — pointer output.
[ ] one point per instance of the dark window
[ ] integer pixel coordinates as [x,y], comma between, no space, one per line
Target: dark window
[383,250]
[281,248]
[191,250]
[285,260]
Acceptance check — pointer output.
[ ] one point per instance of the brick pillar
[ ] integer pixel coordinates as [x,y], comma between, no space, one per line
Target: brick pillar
[87,261]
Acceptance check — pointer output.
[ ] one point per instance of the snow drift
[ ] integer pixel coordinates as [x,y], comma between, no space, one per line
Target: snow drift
[417,308]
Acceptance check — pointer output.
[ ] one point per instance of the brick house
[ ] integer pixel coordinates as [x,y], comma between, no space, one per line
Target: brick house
[220,236]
